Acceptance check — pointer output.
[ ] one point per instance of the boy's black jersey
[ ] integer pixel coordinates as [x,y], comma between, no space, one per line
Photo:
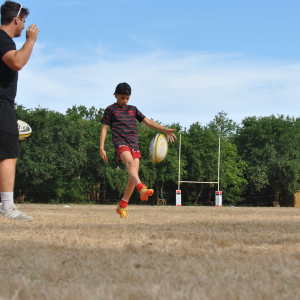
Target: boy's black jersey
[123,125]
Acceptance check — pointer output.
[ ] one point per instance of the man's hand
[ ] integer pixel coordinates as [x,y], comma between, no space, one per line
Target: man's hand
[103,155]
[32,33]
[170,134]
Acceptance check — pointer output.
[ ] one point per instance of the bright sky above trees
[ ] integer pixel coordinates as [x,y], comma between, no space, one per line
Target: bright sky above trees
[185,60]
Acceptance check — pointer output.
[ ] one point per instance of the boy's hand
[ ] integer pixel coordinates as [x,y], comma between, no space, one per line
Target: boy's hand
[170,134]
[103,155]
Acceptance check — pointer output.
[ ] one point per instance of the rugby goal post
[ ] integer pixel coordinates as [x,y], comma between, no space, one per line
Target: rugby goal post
[218,199]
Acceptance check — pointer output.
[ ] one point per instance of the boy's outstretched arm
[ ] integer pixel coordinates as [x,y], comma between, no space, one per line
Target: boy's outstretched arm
[167,131]
[102,140]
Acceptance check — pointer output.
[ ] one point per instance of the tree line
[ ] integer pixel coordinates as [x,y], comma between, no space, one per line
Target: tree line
[60,161]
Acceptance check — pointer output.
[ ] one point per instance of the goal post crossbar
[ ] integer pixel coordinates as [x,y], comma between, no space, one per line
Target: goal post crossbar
[196,182]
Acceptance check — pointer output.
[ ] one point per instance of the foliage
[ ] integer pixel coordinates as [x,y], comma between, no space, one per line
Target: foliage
[271,148]
[60,161]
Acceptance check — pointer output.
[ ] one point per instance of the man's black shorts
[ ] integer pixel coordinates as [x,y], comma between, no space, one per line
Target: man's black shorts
[9,133]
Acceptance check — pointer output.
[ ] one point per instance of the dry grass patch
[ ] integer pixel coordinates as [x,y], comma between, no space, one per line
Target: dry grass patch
[88,252]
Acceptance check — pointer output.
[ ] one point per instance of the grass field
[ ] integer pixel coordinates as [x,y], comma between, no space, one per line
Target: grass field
[88,252]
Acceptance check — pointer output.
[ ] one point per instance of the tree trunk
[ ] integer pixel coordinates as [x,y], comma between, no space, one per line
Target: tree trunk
[276,189]
[199,195]
[79,171]
[157,196]
[78,177]
[162,189]
[104,186]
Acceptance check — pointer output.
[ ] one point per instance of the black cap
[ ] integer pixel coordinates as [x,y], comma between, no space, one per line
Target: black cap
[123,89]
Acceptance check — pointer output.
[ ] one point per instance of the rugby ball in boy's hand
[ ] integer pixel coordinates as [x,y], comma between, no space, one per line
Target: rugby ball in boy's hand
[24,130]
[158,148]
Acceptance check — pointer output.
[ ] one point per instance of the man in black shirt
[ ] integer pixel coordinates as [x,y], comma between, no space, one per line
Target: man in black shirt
[13,16]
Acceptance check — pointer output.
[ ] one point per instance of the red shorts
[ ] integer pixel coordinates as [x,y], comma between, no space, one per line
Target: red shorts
[134,153]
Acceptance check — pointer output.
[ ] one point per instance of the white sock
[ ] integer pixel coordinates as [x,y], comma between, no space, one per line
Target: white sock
[7,199]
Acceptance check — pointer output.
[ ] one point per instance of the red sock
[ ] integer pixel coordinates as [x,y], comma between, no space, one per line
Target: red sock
[139,186]
[123,203]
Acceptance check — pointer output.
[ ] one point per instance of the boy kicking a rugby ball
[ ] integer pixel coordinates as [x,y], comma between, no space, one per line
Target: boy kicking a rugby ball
[122,120]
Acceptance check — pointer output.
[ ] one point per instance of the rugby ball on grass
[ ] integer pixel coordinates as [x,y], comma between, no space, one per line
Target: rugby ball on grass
[24,130]
[158,148]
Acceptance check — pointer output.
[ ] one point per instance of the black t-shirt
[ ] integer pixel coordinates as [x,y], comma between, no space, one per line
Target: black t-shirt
[123,125]
[8,77]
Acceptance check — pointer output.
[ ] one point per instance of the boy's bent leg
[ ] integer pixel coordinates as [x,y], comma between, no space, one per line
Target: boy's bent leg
[130,185]
[121,209]
[133,175]
[131,167]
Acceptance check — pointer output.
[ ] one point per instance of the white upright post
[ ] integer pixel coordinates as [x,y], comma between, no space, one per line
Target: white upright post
[219,193]
[178,192]
[179,162]
[219,160]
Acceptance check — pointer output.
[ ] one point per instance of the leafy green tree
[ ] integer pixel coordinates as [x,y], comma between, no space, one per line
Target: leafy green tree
[270,146]
[59,152]
[222,126]
[60,161]
[37,168]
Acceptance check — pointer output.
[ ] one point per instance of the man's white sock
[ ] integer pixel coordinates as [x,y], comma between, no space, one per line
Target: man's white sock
[7,199]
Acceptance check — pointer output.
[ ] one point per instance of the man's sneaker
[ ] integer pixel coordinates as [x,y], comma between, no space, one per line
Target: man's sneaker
[145,193]
[121,211]
[14,214]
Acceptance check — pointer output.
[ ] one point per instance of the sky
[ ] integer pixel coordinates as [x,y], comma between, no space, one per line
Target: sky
[185,60]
